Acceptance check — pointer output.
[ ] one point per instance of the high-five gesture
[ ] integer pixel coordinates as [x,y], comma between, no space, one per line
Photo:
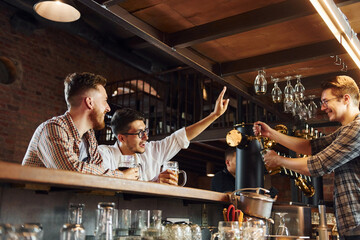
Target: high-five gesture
[220,107]
[221,104]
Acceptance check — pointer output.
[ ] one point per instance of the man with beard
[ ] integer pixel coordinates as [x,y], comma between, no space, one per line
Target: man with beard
[338,152]
[68,141]
[129,128]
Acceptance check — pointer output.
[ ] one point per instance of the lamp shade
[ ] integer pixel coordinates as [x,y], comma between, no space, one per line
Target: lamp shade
[58,11]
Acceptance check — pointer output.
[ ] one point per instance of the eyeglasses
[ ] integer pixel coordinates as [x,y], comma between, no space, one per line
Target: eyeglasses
[140,134]
[325,101]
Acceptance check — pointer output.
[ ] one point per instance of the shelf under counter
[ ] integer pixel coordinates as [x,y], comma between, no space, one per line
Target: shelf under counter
[16,173]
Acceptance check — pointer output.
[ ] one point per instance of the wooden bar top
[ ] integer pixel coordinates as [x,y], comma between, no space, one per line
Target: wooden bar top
[15,173]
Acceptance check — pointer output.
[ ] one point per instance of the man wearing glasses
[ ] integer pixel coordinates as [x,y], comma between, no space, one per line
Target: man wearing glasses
[130,130]
[338,152]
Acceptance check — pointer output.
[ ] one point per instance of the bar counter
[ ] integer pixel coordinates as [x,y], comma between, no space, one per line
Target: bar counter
[15,173]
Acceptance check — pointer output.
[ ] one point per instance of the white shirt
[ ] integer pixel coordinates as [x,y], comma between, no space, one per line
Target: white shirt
[155,155]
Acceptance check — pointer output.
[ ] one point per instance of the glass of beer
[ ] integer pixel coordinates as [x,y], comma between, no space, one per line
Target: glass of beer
[174,166]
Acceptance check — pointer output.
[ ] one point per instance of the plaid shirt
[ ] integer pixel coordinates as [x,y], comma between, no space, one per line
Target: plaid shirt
[339,152]
[56,144]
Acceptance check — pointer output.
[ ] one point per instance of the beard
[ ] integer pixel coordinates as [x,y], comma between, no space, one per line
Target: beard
[97,118]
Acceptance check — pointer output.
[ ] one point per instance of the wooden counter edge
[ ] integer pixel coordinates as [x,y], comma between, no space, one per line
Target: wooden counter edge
[15,173]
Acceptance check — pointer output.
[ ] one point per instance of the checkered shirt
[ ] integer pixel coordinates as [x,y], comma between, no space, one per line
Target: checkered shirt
[56,144]
[339,152]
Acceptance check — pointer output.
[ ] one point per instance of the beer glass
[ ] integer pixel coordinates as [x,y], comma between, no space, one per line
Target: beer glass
[227,230]
[174,166]
[128,161]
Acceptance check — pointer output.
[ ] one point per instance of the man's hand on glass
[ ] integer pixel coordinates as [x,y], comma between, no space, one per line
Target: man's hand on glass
[131,173]
[169,177]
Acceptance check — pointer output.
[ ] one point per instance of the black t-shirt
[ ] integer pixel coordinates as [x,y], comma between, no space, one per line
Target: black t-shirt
[223,181]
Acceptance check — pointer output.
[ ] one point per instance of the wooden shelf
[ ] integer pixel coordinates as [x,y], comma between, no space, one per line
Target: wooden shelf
[15,173]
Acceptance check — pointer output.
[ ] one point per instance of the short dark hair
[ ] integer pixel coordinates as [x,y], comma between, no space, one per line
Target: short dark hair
[77,83]
[229,151]
[122,118]
[341,85]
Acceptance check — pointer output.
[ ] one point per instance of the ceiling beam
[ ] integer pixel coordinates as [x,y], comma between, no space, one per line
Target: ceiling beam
[258,18]
[262,17]
[280,58]
[124,19]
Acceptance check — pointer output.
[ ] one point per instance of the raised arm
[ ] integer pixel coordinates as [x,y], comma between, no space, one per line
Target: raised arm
[299,145]
[195,129]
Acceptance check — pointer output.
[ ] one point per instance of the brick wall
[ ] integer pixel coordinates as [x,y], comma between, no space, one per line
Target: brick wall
[46,57]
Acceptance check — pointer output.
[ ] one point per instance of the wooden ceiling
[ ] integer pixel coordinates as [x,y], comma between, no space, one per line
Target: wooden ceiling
[230,41]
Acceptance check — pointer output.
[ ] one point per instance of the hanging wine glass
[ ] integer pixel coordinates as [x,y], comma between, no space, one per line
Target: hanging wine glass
[299,89]
[312,107]
[304,112]
[296,108]
[260,83]
[288,96]
[276,92]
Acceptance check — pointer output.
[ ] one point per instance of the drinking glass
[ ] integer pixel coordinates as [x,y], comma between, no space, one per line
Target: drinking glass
[105,219]
[7,231]
[174,166]
[124,222]
[299,89]
[312,106]
[296,108]
[260,83]
[195,231]
[282,229]
[153,224]
[288,96]
[304,112]
[74,230]
[288,90]
[227,231]
[127,161]
[28,231]
[172,232]
[138,222]
[254,230]
[276,92]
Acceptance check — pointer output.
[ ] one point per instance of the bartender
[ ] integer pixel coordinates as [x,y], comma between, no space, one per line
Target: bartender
[338,152]
[224,180]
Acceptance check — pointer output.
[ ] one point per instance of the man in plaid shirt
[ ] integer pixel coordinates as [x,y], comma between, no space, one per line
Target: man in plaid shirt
[338,152]
[68,141]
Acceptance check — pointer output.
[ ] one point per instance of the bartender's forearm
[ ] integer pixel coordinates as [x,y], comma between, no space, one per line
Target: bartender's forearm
[299,145]
[298,165]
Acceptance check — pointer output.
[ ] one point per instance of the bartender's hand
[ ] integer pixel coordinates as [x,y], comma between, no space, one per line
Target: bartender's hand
[131,173]
[272,160]
[261,128]
[168,177]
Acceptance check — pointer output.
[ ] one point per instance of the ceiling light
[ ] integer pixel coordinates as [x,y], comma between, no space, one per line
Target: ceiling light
[58,11]
[339,26]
